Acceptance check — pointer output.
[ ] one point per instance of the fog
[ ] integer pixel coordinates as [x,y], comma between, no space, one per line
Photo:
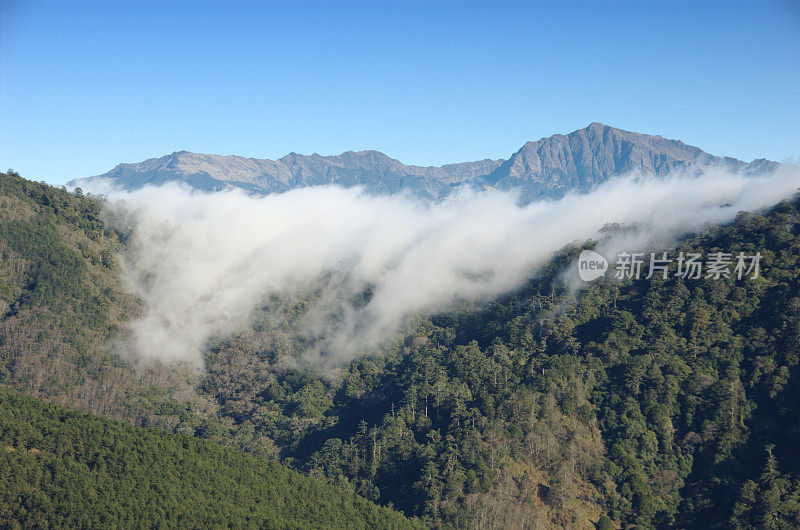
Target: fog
[202,262]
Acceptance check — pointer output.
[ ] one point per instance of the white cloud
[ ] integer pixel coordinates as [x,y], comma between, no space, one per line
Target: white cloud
[203,262]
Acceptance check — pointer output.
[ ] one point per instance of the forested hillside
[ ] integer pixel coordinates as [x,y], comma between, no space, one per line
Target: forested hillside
[62,306]
[656,403]
[62,469]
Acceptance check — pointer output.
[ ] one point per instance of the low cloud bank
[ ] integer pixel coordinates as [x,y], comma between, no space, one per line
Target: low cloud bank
[203,262]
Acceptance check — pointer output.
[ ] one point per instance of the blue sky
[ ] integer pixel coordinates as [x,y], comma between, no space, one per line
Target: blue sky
[86,85]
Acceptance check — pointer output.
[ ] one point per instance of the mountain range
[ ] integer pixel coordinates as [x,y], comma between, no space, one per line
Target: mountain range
[547,168]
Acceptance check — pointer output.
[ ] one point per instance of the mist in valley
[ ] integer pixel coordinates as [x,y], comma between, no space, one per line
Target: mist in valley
[203,262]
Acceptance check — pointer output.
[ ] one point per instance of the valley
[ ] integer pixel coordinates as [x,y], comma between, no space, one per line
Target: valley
[654,403]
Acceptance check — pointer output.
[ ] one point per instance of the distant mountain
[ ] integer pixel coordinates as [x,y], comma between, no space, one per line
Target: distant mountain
[549,167]
[582,159]
[373,170]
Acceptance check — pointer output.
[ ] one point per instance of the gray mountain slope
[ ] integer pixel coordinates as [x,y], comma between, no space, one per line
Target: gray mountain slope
[547,168]
[374,171]
[583,159]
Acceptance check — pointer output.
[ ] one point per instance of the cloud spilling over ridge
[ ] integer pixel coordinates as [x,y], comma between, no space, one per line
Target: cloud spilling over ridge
[203,262]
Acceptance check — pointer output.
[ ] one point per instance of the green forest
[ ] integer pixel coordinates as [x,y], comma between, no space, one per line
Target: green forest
[654,403]
[64,469]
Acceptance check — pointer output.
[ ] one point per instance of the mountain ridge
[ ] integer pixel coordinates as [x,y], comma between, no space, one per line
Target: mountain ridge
[547,168]
[580,160]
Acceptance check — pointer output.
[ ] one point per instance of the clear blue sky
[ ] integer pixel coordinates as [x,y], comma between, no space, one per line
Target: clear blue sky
[84,86]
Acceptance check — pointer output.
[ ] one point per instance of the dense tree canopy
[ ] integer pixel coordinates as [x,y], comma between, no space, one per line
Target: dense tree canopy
[66,469]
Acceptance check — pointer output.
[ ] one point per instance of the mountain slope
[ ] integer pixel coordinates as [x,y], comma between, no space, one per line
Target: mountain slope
[549,167]
[660,403]
[582,159]
[62,305]
[657,403]
[60,468]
